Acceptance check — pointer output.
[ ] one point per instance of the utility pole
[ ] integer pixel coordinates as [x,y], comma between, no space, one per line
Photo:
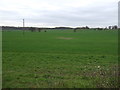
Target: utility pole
[23,25]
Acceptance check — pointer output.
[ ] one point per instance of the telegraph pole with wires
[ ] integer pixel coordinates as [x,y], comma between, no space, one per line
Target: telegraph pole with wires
[23,25]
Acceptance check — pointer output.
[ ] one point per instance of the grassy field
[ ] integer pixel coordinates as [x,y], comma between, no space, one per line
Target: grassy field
[60,59]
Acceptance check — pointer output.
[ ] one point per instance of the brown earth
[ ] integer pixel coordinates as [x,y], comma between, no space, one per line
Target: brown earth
[65,38]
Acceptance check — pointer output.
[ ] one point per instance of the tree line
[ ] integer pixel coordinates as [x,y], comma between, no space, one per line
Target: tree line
[36,29]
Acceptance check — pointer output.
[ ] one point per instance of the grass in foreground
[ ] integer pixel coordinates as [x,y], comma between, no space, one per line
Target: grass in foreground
[59,59]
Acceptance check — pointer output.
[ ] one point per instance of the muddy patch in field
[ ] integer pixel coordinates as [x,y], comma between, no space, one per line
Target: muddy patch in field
[65,38]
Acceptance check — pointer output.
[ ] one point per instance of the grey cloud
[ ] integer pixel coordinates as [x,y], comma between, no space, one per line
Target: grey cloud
[99,14]
[76,16]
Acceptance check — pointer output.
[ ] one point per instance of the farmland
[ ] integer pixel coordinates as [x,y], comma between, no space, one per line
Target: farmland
[60,59]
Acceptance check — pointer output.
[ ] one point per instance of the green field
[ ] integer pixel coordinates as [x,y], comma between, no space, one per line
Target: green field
[60,59]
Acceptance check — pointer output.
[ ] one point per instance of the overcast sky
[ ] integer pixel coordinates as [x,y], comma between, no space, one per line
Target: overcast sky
[52,13]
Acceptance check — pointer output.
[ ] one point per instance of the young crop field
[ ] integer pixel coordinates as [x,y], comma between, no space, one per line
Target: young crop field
[60,59]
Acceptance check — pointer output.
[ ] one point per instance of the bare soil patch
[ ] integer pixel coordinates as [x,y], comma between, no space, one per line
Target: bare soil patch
[65,38]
